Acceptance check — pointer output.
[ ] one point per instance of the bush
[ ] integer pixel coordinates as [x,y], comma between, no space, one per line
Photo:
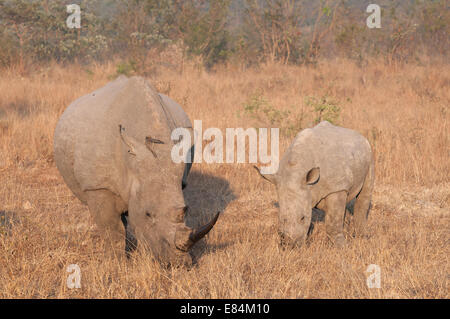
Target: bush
[324,109]
[242,31]
[261,110]
[292,120]
[37,30]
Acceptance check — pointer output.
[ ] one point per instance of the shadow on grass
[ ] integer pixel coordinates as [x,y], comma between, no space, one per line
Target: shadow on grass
[7,221]
[318,215]
[206,195]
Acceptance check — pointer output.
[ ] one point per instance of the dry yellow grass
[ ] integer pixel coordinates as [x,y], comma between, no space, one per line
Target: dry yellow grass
[402,110]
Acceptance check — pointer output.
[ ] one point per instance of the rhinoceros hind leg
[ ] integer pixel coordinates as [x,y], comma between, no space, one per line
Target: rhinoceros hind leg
[362,204]
[334,217]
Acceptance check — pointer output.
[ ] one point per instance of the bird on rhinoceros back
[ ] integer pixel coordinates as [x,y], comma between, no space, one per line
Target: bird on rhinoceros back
[325,167]
[113,149]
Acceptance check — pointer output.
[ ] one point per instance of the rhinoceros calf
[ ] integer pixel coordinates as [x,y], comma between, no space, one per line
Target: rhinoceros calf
[113,149]
[325,167]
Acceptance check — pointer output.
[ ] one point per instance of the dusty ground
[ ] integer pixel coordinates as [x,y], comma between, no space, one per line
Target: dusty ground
[403,111]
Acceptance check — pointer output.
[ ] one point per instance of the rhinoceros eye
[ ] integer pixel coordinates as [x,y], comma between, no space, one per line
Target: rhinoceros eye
[151,218]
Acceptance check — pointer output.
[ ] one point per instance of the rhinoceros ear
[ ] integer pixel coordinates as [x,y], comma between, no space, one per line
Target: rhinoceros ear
[127,140]
[149,141]
[313,176]
[269,177]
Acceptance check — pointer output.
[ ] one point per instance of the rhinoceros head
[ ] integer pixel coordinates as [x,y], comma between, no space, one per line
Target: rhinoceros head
[294,199]
[156,207]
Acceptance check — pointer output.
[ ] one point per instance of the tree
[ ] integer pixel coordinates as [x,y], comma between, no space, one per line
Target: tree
[37,31]
[201,25]
[273,25]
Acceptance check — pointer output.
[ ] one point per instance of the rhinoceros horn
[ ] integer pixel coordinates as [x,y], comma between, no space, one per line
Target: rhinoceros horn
[186,237]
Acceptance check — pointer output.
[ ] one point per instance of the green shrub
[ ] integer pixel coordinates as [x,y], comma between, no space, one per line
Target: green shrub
[290,121]
[324,108]
[126,68]
[260,109]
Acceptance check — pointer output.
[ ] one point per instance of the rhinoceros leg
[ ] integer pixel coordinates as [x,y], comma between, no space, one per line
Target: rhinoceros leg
[130,239]
[334,216]
[102,206]
[362,203]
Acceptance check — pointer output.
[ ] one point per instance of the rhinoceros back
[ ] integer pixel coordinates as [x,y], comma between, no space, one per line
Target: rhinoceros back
[87,144]
[343,155]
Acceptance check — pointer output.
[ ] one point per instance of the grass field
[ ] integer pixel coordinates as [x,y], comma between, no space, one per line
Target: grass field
[402,110]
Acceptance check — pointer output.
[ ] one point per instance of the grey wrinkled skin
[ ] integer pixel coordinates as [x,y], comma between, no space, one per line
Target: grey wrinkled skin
[325,167]
[113,149]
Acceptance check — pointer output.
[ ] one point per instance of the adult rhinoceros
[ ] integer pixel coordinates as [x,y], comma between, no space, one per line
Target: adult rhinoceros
[325,167]
[113,149]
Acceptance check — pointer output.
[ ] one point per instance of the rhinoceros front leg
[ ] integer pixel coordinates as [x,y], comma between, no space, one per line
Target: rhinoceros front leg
[102,206]
[334,217]
[130,239]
